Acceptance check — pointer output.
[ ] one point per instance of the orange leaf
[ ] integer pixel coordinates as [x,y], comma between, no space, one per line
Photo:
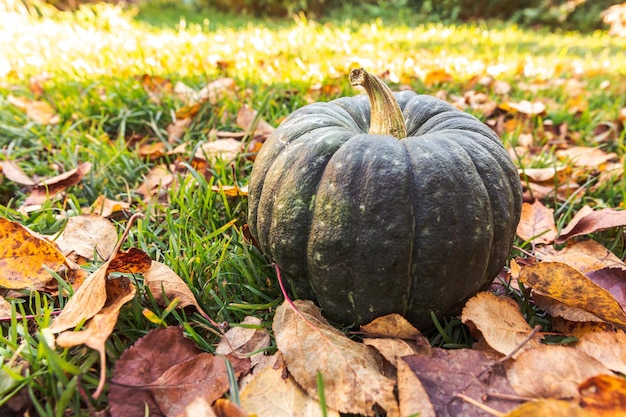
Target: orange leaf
[604,395]
[24,258]
[52,186]
[588,221]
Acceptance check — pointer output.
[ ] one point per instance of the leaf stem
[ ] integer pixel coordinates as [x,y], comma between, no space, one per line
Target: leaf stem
[386,117]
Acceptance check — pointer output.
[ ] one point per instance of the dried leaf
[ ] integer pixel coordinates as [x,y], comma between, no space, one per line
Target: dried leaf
[581,156]
[225,149]
[412,396]
[351,371]
[204,375]
[106,207]
[549,408]
[5,308]
[273,393]
[437,76]
[500,322]
[97,330]
[608,347]
[394,349]
[246,118]
[243,341]
[132,261]
[141,365]
[159,178]
[461,371]
[604,395]
[85,235]
[13,172]
[525,107]
[392,326]
[199,407]
[165,284]
[551,371]
[557,309]
[231,190]
[52,186]
[585,255]
[211,92]
[225,408]
[537,223]
[24,258]
[588,221]
[567,285]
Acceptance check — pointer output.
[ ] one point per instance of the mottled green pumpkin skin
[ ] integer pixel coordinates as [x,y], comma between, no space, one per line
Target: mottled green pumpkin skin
[369,225]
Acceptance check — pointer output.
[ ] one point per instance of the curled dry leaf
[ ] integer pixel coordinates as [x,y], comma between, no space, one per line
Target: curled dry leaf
[274,393]
[588,221]
[165,284]
[394,349]
[551,371]
[351,371]
[245,341]
[585,256]
[98,329]
[86,235]
[51,187]
[14,173]
[581,156]
[392,326]
[24,258]
[537,223]
[499,320]
[557,309]
[567,285]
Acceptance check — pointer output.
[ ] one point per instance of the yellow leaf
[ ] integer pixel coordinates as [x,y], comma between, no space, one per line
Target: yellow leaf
[549,408]
[604,395]
[567,285]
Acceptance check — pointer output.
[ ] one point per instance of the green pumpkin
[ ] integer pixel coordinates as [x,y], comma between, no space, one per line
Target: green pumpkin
[367,223]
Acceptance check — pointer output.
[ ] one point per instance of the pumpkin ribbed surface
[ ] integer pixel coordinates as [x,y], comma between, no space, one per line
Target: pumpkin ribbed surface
[368,224]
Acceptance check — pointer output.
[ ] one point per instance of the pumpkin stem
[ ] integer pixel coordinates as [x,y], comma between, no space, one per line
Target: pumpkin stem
[386,118]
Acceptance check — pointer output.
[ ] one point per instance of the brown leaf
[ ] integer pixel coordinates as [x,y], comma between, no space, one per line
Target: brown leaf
[274,393]
[141,365]
[38,111]
[176,130]
[604,395]
[351,371]
[52,186]
[165,284]
[557,309]
[5,308]
[86,235]
[99,327]
[225,408]
[567,285]
[608,347]
[581,156]
[585,255]
[588,221]
[537,223]
[106,207]
[158,179]
[392,326]
[461,371]
[246,118]
[152,150]
[412,396]
[24,258]
[552,371]
[499,320]
[204,375]
[246,341]
[13,172]
[199,407]
[211,92]
[132,261]
[394,349]
[225,149]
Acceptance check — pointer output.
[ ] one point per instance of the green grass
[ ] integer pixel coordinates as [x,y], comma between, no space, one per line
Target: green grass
[94,60]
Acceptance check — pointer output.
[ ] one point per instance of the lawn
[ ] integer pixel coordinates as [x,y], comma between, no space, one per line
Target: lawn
[140,96]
